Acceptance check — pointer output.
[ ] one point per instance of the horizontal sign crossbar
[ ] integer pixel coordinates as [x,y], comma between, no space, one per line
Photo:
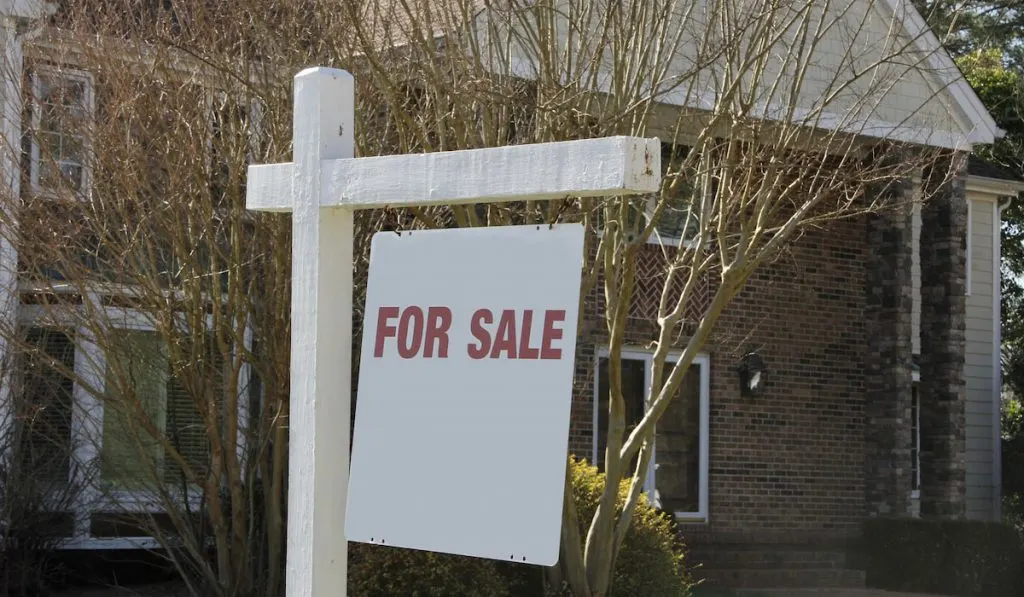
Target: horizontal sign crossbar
[583,168]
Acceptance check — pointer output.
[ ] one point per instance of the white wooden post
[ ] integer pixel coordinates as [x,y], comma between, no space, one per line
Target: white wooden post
[322,187]
[321,340]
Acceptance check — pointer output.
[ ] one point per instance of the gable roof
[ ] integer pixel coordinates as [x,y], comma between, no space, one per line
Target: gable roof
[958,99]
[985,129]
[396,23]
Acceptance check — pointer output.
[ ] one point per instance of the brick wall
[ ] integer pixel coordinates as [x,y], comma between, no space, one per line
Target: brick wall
[792,460]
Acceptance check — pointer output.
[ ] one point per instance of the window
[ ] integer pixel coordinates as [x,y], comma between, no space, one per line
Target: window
[44,413]
[145,406]
[235,140]
[62,112]
[120,407]
[677,480]
[678,222]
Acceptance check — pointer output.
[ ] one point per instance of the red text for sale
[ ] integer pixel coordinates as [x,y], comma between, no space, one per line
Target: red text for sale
[422,332]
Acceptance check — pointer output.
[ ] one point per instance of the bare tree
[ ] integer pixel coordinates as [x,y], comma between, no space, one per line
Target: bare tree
[132,229]
[41,483]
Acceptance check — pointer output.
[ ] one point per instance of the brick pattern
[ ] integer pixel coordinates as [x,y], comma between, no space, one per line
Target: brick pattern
[790,462]
[888,396]
[943,304]
[650,280]
[651,274]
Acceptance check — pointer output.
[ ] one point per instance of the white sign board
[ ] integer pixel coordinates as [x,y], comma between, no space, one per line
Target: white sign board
[465,386]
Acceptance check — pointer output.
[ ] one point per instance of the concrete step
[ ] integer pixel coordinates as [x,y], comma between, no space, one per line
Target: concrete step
[770,557]
[782,578]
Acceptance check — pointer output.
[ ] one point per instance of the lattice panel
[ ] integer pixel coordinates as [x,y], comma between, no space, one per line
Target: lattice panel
[651,273]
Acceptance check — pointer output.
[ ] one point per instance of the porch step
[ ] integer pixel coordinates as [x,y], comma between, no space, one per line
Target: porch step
[776,566]
[770,557]
[787,578]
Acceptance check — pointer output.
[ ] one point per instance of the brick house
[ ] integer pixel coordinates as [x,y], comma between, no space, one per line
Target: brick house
[771,489]
[880,336]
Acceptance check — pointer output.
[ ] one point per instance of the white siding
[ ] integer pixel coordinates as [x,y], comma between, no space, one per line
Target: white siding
[860,73]
[978,368]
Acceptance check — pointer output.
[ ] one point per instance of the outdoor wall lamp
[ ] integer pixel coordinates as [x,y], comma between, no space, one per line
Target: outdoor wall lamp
[752,372]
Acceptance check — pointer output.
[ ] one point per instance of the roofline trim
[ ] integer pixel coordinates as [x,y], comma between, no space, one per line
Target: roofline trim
[985,130]
[996,186]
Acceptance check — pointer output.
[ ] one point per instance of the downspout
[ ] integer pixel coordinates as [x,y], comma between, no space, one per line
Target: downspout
[997,372]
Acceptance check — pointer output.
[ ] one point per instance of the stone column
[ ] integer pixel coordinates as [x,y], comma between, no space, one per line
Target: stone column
[888,375]
[943,304]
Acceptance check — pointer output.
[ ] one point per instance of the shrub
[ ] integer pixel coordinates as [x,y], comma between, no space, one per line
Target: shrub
[948,557]
[651,561]
[381,571]
[1013,511]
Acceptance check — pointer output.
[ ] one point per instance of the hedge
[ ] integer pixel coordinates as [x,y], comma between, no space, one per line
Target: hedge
[946,557]
[649,565]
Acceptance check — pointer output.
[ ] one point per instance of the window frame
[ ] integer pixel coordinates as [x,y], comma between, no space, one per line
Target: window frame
[703,360]
[216,100]
[38,72]
[656,238]
[87,415]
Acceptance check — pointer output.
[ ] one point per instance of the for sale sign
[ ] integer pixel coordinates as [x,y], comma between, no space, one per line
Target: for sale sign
[465,386]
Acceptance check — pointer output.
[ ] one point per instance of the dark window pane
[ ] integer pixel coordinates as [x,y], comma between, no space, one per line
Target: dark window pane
[45,411]
[677,446]
[632,392]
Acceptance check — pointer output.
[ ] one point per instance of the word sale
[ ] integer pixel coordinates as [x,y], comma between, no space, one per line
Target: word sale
[424,333]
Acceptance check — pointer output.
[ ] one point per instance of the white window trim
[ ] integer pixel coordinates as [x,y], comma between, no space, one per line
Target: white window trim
[90,107]
[704,361]
[87,422]
[656,238]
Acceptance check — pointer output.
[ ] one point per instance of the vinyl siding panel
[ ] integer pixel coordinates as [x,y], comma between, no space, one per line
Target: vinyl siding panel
[855,37]
[980,330]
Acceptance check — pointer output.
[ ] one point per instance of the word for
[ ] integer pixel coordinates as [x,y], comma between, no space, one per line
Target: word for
[420,332]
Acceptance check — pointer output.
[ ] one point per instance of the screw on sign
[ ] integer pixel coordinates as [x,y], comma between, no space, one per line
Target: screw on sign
[420,331]
[322,187]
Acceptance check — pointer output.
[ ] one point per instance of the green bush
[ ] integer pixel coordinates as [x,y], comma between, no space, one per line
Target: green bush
[381,571]
[1013,511]
[948,557]
[651,561]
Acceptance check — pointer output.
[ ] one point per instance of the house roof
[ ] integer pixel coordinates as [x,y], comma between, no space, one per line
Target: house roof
[988,177]
[24,9]
[985,128]
[395,23]
[977,166]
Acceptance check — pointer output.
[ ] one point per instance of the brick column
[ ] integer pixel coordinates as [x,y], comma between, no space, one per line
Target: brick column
[943,302]
[888,374]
